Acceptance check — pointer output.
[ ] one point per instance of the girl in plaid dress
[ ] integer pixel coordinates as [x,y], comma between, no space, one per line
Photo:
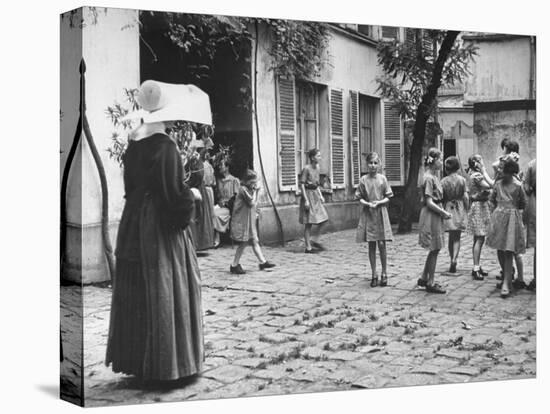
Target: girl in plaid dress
[479,215]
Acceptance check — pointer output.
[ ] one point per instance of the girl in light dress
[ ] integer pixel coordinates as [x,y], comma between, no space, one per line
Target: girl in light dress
[455,202]
[506,231]
[374,193]
[243,223]
[510,149]
[430,225]
[479,215]
[312,209]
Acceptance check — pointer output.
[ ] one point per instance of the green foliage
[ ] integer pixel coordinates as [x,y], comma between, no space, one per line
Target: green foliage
[298,47]
[409,66]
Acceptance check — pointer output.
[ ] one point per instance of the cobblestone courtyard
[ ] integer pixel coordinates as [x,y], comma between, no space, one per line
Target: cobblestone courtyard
[313,324]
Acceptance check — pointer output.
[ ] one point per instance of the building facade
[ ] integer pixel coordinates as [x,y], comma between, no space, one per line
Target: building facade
[497,101]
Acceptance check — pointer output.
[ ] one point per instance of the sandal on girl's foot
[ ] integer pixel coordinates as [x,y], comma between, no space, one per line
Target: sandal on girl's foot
[452,268]
[236,270]
[266,265]
[435,288]
[310,251]
[384,281]
[483,272]
[476,275]
[374,281]
[421,282]
[504,293]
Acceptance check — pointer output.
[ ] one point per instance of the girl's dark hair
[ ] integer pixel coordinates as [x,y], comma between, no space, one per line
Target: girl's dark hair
[511,146]
[510,167]
[372,155]
[452,164]
[433,154]
[472,161]
[312,153]
[504,142]
[250,175]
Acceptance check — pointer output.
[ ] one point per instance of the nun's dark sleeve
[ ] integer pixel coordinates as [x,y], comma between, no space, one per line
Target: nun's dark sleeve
[176,198]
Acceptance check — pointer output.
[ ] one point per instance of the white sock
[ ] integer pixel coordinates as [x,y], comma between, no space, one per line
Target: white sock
[476,268]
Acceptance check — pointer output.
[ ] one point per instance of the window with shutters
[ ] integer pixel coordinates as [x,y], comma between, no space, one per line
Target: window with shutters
[393,144]
[307,121]
[355,150]
[286,128]
[389,32]
[367,30]
[367,107]
[338,175]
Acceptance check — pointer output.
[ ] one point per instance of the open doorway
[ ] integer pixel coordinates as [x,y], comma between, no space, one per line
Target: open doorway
[226,79]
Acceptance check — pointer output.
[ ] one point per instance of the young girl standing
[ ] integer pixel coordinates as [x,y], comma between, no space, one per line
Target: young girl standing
[455,202]
[312,210]
[479,215]
[430,225]
[374,227]
[243,223]
[530,214]
[506,229]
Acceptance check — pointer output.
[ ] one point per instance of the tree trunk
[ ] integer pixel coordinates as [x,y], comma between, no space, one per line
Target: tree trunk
[419,132]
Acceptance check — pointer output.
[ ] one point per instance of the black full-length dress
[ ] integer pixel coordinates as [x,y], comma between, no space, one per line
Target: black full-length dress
[155,330]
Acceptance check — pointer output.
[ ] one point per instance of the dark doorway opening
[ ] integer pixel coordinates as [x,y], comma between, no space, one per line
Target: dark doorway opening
[226,79]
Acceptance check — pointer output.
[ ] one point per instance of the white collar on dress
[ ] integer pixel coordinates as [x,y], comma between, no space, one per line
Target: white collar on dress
[146,130]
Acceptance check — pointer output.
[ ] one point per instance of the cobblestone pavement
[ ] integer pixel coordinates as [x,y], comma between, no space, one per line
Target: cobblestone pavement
[313,324]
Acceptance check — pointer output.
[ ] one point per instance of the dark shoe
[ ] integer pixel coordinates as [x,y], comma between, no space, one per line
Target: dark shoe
[236,270]
[266,265]
[519,284]
[374,281]
[435,288]
[532,285]
[421,282]
[384,281]
[452,268]
[310,251]
[476,275]
[483,272]
[318,246]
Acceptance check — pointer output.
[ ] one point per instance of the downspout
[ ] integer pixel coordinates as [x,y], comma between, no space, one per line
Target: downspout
[277,217]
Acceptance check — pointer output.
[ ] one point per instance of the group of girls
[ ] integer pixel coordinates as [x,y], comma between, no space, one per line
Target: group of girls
[490,209]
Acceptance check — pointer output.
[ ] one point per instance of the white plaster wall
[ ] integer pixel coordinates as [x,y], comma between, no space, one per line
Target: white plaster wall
[501,71]
[111,52]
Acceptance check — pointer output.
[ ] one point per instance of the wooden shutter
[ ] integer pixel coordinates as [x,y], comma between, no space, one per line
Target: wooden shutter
[286,113]
[393,144]
[354,138]
[337,138]
[427,44]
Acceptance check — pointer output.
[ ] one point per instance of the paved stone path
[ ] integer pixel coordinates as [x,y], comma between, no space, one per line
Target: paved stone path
[313,324]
